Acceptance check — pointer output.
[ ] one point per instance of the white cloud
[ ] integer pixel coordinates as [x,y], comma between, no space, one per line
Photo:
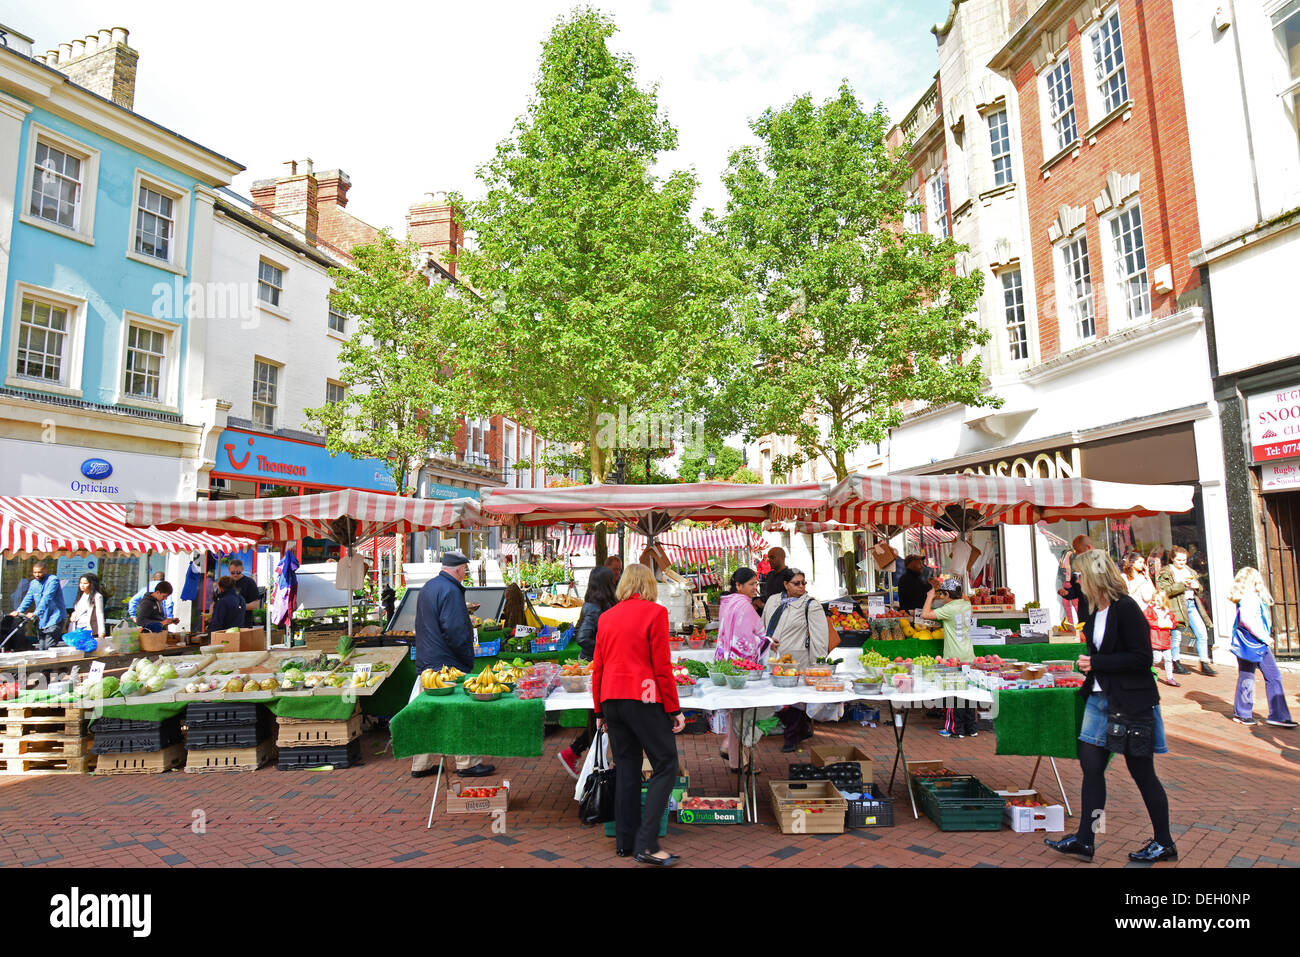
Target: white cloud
[410,99]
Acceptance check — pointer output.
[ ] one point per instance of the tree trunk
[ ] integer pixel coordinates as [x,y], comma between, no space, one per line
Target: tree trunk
[602,544]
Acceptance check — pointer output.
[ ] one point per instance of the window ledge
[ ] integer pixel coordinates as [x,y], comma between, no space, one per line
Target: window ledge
[997,191]
[271,310]
[156,263]
[1124,110]
[55,228]
[961,210]
[1070,150]
[334,334]
[145,405]
[41,385]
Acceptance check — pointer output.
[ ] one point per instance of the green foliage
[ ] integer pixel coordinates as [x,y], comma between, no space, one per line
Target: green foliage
[852,315]
[694,466]
[598,290]
[535,573]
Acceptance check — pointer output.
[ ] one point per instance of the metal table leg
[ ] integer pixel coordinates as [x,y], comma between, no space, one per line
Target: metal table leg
[898,719]
[1064,798]
[437,782]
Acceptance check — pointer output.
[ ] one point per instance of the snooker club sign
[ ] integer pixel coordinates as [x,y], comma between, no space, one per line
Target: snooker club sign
[1274,425]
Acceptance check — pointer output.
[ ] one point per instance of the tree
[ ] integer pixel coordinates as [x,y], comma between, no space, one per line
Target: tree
[598,290]
[399,404]
[694,467]
[853,315]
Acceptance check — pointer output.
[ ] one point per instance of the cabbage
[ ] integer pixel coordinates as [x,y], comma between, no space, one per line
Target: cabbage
[111,687]
[130,675]
[131,688]
[155,684]
[167,671]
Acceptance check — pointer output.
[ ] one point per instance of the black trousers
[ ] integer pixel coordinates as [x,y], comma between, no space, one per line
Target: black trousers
[636,727]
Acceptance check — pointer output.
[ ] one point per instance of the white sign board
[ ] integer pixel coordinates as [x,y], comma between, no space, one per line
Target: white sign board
[875,605]
[1274,424]
[1278,476]
[1038,618]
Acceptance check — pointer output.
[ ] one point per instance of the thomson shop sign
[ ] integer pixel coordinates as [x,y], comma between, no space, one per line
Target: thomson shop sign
[1274,425]
[253,457]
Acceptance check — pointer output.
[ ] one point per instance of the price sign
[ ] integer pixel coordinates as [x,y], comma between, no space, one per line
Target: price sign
[363,669]
[919,620]
[523,631]
[1038,619]
[96,670]
[876,606]
[847,607]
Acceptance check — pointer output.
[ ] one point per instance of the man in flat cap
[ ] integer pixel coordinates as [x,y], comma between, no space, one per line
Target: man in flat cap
[444,636]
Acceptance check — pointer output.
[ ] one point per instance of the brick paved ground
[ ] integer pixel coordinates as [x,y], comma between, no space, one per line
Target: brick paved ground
[1233,792]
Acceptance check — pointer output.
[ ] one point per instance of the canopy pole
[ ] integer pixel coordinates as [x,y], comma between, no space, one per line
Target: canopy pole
[349,583]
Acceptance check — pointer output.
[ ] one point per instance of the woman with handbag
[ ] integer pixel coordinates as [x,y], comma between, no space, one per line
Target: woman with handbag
[1183,586]
[635,694]
[740,635]
[1123,711]
[88,612]
[598,600]
[1252,643]
[797,626]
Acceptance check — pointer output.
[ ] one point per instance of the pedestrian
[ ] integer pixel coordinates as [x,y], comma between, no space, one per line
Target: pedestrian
[796,624]
[1164,638]
[151,613]
[444,637]
[133,604]
[1155,561]
[599,599]
[247,590]
[635,695]
[913,584]
[228,610]
[740,635]
[774,583]
[615,564]
[1122,715]
[1081,545]
[1140,587]
[88,612]
[1252,643]
[958,622]
[1183,587]
[45,599]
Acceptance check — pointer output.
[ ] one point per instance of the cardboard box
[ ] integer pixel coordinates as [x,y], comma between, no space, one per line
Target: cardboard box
[822,756]
[683,780]
[808,807]
[711,815]
[248,639]
[1025,819]
[459,805]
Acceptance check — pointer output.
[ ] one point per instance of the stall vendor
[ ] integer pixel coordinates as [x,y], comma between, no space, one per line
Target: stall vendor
[150,614]
[914,584]
[246,588]
[228,611]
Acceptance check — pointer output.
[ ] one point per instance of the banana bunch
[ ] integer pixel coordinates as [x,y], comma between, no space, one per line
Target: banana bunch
[485,682]
[450,674]
[434,679]
[505,672]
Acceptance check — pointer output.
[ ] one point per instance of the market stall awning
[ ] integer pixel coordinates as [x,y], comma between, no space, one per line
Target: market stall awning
[691,546]
[653,507]
[381,545]
[347,516]
[42,526]
[971,501]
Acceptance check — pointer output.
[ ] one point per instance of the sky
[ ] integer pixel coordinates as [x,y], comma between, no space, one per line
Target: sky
[411,99]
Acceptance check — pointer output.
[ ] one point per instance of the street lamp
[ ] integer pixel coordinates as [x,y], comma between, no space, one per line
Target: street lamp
[713,458]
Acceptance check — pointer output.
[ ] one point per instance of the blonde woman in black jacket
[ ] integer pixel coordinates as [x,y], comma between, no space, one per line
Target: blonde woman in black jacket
[1123,711]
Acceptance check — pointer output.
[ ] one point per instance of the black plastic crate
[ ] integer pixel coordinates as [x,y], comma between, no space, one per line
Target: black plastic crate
[128,726]
[206,737]
[157,736]
[342,756]
[226,714]
[876,811]
[846,776]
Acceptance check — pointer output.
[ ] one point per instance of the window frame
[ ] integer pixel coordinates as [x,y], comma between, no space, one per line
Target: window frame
[169,381]
[181,198]
[1067,300]
[1002,276]
[936,188]
[85,228]
[335,384]
[1098,97]
[914,219]
[1290,92]
[69,383]
[278,367]
[329,323]
[276,307]
[1118,277]
[994,156]
[1052,137]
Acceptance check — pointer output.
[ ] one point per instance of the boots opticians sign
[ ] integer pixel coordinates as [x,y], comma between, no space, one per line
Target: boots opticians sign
[1274,425]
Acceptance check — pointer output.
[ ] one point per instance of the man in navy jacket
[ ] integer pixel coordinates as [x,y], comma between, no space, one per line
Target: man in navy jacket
[444,636]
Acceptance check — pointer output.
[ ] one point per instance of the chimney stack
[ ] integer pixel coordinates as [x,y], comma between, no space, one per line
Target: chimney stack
[293,198]
[101,62]
[433,227]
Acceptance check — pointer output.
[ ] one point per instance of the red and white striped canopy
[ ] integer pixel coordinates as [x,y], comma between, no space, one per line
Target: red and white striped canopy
[381,545]
[864,500]
[346,516]
[691,546]
[42,526]
[697,501]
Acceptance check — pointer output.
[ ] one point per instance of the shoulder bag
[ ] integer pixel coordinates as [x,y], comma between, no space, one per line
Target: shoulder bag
[1244,644]
[597,803]
[1131,735]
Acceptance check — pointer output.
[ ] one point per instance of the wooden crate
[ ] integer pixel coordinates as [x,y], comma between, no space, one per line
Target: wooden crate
[301,733]
[142,762]
[70,722]
[42,745]
[48,764]
[825,815]
[231,759]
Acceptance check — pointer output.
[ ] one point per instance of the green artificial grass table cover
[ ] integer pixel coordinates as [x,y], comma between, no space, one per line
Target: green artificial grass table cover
[457,724]
[1039,722]
[912,647]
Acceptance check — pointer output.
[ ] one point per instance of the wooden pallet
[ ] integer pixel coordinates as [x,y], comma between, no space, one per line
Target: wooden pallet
[42,745]
[48,764]
[29,712]
[142,762]
[49,724]
[302,733]
[231,759]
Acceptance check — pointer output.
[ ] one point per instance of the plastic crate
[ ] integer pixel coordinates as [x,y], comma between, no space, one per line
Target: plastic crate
[225,714]
[960,804]
[209,739]
[128,726]
[341,756]
[487,649]
[844,775]
[155,736]
[878,811]
[541,646]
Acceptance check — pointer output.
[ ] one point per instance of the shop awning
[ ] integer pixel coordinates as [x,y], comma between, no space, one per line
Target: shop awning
[692,546]
[41,526]
[381,545]
[347,516]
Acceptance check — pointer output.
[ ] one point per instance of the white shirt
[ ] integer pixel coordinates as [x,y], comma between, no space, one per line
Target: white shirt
[1099,635]
[350,573]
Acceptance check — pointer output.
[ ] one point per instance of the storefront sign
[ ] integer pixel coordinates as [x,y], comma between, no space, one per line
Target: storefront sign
[1059,463]
[253,457]
[53,470]
[1274,425]
[1279,476]
[442,492]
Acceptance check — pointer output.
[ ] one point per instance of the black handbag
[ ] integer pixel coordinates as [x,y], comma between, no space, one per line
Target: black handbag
[1133,735]
[597,803]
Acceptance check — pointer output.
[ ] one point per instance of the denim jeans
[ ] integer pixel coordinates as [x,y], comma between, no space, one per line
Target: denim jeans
[1197,625]
[1245,701]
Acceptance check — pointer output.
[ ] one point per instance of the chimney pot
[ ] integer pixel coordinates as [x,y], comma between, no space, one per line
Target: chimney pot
[120,34]
[51,57]
[78,49]
[105,39]
[92,43]
[65,52]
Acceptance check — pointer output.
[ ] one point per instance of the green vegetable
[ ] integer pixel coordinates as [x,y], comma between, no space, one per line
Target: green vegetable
[344,647]
[696,669]
[723,668]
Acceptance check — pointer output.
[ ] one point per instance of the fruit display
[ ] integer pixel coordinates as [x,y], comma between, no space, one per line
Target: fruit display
[988,663]
[683,676]
[430,679]
[995,596]
[854,622]
[912,631]
[480,792]
[948,662]
[785,671]
[1067,680]
[1065,629]
[890,614]
[506,674]
[485,682]
[933,773]
[1059,665]
[873,659]
[744,666]
[709,804]
[829,684]
[575,668]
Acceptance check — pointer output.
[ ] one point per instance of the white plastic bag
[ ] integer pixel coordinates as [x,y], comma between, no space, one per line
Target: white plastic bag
[589,762]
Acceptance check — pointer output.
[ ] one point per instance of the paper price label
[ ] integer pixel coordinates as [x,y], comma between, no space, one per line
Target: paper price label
[919,620]
[847,607]
[96,669]
[876,606]
[1038,619]
[522,631]
[363,669]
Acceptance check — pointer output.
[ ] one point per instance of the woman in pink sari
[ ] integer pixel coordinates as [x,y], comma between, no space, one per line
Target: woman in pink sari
[740,635]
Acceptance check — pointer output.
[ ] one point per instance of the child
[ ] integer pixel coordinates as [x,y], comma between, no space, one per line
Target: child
[1164,636]
[957,625]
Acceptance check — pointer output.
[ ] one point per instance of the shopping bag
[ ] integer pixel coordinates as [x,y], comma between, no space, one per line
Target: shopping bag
[597,803]
[588,765]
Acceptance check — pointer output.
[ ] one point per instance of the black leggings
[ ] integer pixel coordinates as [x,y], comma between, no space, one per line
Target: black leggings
[1093,760]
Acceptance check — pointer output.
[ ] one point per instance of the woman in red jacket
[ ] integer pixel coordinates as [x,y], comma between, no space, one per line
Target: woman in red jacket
[636,698]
